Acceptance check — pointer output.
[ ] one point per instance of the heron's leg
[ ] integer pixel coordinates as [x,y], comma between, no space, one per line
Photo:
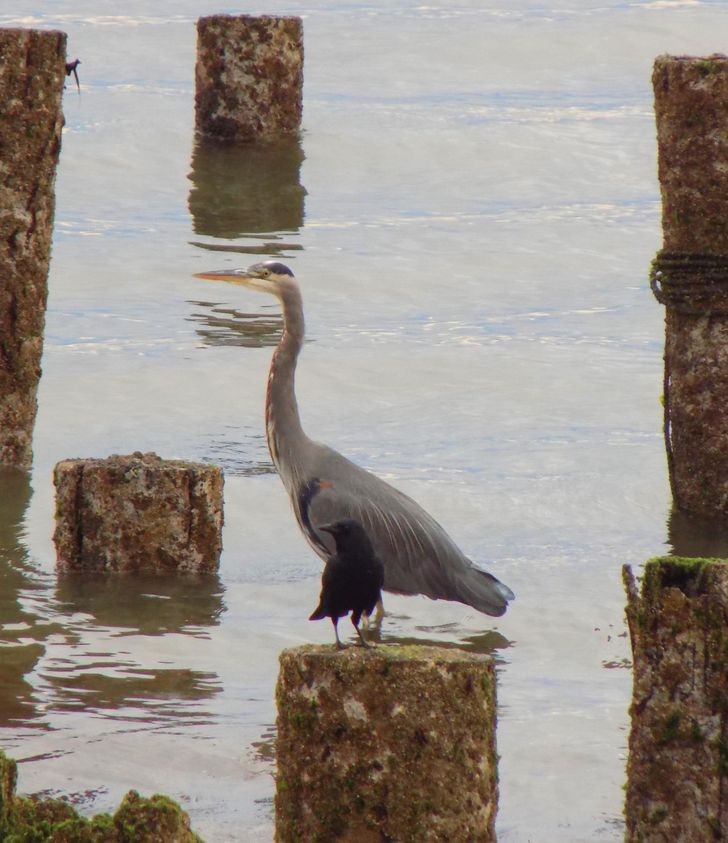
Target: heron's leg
[339,645]
[379,611]
[375,619]
[355,621]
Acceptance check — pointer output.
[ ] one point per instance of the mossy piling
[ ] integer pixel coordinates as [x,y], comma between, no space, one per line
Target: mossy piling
[677,770]
[248,76]
[396,743]
[157,819]
[138,512]
[32,73]
[690,275]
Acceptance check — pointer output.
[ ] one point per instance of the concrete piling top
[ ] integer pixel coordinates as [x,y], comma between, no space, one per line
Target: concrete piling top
[383,654]
[138,511]
[249,76]
[412,667]
[393,743]
[692,138]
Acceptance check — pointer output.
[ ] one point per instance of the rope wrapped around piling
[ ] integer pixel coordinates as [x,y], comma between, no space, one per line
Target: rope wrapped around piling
[690,282]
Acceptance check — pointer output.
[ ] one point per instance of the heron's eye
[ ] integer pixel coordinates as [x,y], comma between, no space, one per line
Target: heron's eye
[265,273]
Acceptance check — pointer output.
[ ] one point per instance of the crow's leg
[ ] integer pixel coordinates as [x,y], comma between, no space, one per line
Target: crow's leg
[355,620]
[339,645]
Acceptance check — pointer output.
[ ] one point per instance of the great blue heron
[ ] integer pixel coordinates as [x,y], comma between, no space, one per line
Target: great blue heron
[419,557]
[352,579]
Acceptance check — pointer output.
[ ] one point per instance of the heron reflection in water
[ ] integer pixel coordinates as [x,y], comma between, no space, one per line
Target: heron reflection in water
[419,557]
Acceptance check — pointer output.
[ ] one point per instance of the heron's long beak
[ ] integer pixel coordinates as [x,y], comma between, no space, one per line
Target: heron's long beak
[232,276]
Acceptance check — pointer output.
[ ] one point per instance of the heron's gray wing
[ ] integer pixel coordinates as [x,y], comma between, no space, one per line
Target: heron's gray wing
[419,557]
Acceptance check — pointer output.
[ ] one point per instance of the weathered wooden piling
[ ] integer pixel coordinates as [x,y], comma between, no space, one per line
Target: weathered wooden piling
[677,771]
[690,275]
[32,72]
[249,76]
[396,743]
[138,512]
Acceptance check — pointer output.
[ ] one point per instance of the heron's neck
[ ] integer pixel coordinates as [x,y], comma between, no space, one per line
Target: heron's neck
[286,439]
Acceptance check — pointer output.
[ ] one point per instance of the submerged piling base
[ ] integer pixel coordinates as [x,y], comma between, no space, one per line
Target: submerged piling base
[129,513]
[396,743]
[677,772]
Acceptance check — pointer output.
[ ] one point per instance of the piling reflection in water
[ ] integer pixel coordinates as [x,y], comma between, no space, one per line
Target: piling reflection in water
[15,495]
[65,651]
[20,648]
[249,189]
[691,535]
[117,681]
[152,696]
[144,604]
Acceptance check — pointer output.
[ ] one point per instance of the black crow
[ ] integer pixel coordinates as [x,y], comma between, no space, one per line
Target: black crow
[352,578]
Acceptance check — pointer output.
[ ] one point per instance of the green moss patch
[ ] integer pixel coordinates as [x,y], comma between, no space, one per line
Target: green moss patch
[683,572]
[156,819]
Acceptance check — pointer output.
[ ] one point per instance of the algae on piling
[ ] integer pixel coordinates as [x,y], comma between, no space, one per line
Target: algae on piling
[678,744]
[157,819]
[394,743]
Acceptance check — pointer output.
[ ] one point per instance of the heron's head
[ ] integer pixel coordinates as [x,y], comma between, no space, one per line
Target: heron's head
[267,277]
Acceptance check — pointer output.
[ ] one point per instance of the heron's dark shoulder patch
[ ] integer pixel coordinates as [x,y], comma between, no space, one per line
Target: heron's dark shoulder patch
[302,503]
[306,492]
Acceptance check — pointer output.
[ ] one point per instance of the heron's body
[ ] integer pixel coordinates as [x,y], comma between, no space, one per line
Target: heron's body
[418,556]
[352,578]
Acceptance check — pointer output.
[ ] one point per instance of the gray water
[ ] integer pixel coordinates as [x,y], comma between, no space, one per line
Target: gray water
[471,211]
